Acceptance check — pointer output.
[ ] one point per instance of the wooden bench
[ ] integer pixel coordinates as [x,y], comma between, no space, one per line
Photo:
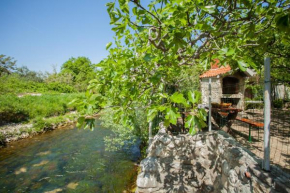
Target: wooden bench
[253,124]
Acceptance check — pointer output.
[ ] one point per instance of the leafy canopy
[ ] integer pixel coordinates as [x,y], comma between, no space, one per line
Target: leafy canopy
[78,72]
[7,64]
[155,43]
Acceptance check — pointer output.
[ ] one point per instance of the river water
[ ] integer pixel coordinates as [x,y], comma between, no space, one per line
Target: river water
[65,160]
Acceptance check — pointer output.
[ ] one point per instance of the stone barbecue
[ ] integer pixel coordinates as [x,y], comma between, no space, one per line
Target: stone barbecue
[227,85]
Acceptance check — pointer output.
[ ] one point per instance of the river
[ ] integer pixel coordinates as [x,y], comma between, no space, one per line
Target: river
[65,160]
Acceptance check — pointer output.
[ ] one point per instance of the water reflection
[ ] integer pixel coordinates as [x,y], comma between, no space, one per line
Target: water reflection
[65,160]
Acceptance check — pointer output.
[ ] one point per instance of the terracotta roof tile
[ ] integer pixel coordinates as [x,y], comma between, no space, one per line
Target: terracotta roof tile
[216,71]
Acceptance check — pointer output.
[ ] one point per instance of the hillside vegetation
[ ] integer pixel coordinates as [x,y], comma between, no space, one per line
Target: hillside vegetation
[39,101]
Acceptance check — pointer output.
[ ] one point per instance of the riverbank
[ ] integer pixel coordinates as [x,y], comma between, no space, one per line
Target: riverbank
[28,114]
[16,131]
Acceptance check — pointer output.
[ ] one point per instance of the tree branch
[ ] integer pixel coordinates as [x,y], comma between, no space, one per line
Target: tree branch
[140,6]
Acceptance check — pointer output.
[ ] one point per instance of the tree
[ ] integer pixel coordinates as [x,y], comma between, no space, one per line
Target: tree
[29,74]
[7,64]
[80,69]
[154,44]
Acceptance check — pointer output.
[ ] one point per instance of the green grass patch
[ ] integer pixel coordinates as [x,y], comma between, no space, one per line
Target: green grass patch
[14,109]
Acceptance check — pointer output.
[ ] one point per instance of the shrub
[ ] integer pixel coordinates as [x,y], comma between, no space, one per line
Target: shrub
[278,103]
[15,84]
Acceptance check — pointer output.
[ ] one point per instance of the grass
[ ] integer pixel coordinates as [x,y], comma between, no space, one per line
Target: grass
[47,124]
[35,114]
[14,109]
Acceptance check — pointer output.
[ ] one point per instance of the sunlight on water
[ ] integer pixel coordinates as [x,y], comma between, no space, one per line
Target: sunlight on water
[64,160]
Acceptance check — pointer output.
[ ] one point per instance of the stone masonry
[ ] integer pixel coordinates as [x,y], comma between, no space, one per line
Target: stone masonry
[206,162]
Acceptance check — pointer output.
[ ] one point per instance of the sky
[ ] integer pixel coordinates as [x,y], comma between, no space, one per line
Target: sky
[41,34]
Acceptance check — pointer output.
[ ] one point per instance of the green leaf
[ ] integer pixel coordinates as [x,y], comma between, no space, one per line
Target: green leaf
[282,22]
[223,51]
[178,98]
[156,78]
[151,114]
[124,6]
[189,121]
[230,52]
[141,12]
[195,123]
[90,123]
[203,114]
[166,122]
[199,122]
[135,11]
[140,29]
[161,108]
[148,57]
[80,122]
[242,65]
[74,101]
[192,131]
[163,95]
[145,20]
[108,45]
[110,6]
[194,97]
[209,8]
[172,115]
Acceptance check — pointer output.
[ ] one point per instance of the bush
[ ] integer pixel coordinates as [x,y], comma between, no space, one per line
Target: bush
[15,84]
[125,136]
[278,103]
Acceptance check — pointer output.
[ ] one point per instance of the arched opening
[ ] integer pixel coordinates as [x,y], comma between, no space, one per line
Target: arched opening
[230,85]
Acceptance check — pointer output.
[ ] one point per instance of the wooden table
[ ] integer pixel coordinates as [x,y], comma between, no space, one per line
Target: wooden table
[224,117]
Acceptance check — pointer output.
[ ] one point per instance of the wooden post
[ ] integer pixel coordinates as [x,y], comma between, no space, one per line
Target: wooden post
[209,105]
[267,115]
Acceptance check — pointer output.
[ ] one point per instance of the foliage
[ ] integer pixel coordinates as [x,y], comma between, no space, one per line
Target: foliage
[40,124]
[256,89]
[81,71]
[7,64]
[63,78]
[29,74]
[253,105]
[188,79]
[15,83]
[278,103]
[124,137]
[154,44]
[74,76]
[15,109]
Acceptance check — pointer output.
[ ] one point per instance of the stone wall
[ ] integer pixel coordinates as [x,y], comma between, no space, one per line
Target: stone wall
[206,162]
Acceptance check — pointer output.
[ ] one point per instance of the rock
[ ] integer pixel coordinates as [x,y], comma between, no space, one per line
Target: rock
[149,164]
[171,145]
[206,162]
[165,140]
[146,181]
[225,168]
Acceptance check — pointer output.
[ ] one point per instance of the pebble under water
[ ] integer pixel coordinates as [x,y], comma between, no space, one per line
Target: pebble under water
[65,160]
